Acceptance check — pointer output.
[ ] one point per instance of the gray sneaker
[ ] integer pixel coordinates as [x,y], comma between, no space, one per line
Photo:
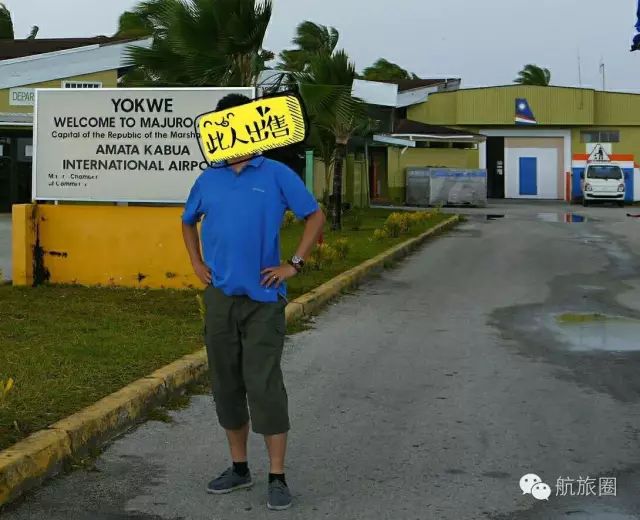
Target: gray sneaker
[229,481]
[279,496]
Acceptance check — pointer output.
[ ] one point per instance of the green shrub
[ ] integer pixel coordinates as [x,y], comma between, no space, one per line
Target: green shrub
[310,264]
[419,217]
[323,256]
[289,219]
[5,388]
[380,234]
[405,223]
[342,248]
[393,225]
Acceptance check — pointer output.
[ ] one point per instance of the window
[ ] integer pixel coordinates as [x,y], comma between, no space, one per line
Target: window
[81,84]
[601,136]
[604,172]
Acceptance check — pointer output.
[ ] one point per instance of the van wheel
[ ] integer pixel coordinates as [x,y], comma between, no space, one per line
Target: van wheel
[585,202]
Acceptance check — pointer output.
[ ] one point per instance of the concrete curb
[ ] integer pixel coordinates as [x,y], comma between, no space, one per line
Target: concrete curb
[43,454]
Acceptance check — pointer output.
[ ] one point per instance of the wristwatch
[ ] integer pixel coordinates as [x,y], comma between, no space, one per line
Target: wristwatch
[297,263]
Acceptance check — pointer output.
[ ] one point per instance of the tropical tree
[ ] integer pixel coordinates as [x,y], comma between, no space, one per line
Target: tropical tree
[134,25]
[336,116]
[6,24]
[534,75]
[383,70]
[201,42]
[310,39]
[324,79]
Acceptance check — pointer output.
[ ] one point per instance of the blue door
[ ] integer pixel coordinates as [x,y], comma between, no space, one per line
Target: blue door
[528,176]
[628,185]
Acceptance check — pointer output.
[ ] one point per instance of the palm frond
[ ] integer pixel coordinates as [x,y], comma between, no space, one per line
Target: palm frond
[383,69]
[204,42]
[534,75]
[6,24]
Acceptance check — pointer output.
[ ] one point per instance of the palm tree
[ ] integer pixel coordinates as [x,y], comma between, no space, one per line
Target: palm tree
[134,25]
[311,39]
[202,42]
[336,116]
[6,24]
[385,70]
[534,75]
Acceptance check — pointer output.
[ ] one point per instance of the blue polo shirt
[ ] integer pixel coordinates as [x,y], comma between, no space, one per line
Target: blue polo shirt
[242,215]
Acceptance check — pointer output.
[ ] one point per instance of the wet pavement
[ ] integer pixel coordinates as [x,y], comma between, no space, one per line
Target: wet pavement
[5,246]
[429,392]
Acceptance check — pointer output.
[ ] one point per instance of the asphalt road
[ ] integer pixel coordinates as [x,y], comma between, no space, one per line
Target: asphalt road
[426,394]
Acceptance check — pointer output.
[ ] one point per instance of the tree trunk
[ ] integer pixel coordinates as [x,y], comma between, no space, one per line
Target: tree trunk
[336,213]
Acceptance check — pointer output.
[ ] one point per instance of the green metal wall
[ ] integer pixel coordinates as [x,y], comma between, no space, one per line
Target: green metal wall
[552,106]
[617,109]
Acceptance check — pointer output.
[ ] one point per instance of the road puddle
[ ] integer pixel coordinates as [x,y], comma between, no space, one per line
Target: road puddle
[598,332]
[567,218]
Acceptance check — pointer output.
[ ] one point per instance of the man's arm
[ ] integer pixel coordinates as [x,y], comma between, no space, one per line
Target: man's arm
[192,243]
[312,229]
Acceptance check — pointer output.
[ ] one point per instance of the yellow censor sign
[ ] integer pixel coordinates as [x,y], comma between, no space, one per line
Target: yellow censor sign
[252,128]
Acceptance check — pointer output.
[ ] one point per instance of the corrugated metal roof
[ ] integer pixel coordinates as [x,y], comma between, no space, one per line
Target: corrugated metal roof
[18,119]
[38,68]
[410,84]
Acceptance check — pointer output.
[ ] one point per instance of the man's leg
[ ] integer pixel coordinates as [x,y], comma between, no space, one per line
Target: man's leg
[277,448]
[263,331]
[238,443]
[224,350]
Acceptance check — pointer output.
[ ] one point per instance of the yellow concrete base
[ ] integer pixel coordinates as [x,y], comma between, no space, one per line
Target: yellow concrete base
[23,243]
[106,245]
[25,464]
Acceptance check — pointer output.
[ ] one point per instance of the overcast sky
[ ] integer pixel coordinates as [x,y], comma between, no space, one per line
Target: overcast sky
[485,42]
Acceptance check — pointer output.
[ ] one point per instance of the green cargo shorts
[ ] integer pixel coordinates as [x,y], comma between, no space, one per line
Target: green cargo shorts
[244,341]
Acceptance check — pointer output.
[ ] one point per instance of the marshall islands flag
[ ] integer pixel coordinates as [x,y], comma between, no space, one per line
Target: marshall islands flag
[524,114]
[635,46]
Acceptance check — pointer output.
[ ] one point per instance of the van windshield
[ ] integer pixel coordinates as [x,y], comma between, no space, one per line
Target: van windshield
[604,172]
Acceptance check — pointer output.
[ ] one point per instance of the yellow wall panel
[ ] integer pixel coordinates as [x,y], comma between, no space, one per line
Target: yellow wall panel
[114,245]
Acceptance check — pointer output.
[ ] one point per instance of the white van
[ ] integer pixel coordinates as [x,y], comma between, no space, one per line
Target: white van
[603,181]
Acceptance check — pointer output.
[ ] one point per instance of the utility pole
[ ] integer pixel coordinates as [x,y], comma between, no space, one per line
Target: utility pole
[579,70]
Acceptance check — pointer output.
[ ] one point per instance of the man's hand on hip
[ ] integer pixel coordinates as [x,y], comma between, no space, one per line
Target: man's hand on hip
[274,276]
[202,272]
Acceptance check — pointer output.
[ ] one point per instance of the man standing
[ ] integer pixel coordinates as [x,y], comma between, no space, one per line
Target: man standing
[242,206]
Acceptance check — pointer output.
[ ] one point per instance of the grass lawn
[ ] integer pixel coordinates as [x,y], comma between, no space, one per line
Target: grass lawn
[67,347]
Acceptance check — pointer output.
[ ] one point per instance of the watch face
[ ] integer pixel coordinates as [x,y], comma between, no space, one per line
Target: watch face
[296,260]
